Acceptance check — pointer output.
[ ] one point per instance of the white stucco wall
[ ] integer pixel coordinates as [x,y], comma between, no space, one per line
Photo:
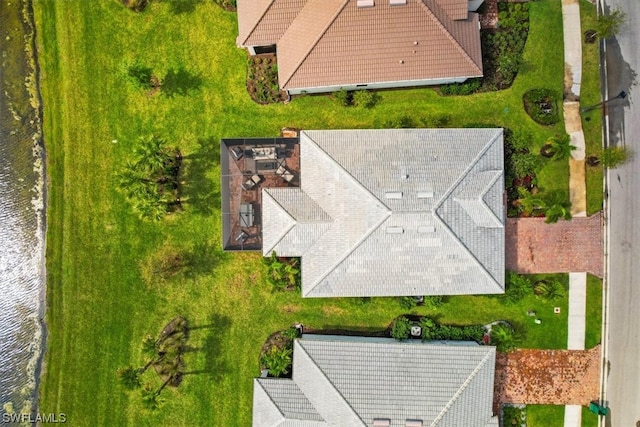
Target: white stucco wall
[381,85]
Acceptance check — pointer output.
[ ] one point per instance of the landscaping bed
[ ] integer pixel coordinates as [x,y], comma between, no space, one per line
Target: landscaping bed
[262,79]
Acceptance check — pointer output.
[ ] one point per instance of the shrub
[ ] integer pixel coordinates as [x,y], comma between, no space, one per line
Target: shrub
[550,291]
[615,156]
[343,97]
[435,301]
[408,302]
[135,5]
[517,287]
[542,106]
[402,122]
[504,337]
[277,360]
[608,26]
[524,164]
[365,99]
[401,328]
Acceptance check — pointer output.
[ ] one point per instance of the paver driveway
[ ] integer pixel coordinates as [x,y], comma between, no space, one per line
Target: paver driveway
[567,246]
[547,377]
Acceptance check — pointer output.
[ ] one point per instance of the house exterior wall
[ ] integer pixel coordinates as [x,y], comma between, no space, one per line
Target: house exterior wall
[381,85]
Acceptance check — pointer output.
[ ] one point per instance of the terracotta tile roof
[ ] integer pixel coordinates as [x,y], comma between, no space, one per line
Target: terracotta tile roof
[334,42]
[263,22]
[455,9]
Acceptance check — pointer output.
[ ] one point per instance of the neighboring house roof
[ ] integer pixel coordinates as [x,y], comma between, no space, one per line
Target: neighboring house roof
[350,381]
[264,22]
[324,43]
[393,212]
[335,42]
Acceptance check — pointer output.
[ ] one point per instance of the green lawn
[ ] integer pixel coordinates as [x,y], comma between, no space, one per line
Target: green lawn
[553,416]
[545,416]
[592,120]
[100,308]
[593,334]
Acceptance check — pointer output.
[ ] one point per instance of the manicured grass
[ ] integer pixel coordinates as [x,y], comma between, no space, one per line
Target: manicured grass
[100,308]
[545,416]
[589,419]
[593,334]
[591,120]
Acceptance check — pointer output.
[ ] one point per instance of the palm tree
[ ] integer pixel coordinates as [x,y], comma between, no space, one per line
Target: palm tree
[530,204]
[504,337]
[550,291]
[558,147]
[130,377]
[557,207]
[150,398]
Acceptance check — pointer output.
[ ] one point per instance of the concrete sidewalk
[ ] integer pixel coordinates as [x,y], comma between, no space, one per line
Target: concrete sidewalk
[571,106]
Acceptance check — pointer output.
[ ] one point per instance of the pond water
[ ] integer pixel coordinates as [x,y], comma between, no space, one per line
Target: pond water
[22,217]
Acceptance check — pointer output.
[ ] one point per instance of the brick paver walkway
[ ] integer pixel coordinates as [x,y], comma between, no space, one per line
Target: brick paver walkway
[547,377]
[567,246]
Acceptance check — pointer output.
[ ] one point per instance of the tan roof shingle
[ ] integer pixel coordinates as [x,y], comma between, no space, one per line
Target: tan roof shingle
[334,42]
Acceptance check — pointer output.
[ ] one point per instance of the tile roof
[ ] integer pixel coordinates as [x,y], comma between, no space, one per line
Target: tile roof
[264,22]
[393,212]
[334,42]
[350,381]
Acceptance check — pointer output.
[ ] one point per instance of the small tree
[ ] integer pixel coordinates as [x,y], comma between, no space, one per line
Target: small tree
[365,99]
[504,337]
[609,25]
[141,76]
[613,157]
[129,377]
[401,328]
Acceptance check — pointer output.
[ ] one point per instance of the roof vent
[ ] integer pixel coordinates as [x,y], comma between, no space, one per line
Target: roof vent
[365,3]
[393,195]
[413,423]
[381,422]
[394,230]
[425,194]
[426,229]
[397,2]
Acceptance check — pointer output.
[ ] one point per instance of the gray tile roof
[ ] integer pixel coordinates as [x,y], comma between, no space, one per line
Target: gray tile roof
[352,381]
[393,212]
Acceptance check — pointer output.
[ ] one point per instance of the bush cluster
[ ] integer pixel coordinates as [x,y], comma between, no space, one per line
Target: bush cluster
[465,88]
[542,106]
[434,331]
[502,49]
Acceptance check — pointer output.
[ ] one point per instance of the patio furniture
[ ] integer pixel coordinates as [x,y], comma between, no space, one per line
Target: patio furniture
[242,237]
[237,153]
[266,165]
[264,153]
[287,176]
[248,184]
[256,179]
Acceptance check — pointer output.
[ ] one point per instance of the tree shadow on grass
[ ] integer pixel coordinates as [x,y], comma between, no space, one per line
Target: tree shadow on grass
[180,82]
[200,190]
[215,365]
[202,259]
[179,7]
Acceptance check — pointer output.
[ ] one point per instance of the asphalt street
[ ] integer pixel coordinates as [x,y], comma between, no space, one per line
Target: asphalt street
[622,369]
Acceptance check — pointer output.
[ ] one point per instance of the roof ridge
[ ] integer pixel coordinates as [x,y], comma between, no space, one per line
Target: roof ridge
[466,171]
[480,197]
[301,346]
[266,9]
[447,33]
[364,237]
[462,388]
[315,42]
[293,224]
